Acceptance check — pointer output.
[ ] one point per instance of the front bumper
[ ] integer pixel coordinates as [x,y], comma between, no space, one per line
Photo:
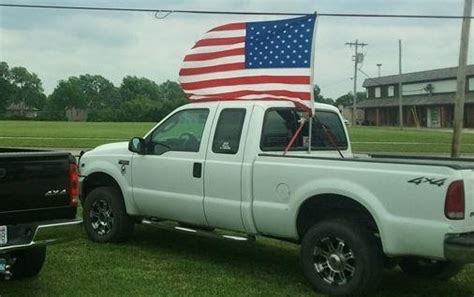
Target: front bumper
[44,233]
[460,248]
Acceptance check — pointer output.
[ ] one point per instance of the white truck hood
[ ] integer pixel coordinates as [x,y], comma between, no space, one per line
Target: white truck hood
[119,148]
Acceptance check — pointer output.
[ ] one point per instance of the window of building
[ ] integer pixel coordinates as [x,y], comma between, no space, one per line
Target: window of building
[181,132]
[391,91]
[280,124]
[378,92]
[228,131]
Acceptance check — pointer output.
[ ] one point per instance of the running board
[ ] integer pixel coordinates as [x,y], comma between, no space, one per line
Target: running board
[161,225]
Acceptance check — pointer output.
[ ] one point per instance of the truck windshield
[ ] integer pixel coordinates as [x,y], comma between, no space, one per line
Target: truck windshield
[280,124]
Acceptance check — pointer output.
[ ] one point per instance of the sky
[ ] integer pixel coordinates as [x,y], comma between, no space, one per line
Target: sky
[57,44]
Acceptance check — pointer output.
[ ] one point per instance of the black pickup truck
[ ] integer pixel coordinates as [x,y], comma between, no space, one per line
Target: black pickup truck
[39,193]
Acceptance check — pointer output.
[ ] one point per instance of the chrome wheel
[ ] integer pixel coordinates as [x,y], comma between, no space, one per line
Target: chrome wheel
[334,261]
[102,217]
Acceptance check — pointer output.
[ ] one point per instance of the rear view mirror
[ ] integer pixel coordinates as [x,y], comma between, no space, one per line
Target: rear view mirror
[137,145]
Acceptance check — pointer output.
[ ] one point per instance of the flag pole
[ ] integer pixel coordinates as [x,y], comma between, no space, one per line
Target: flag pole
[312,99]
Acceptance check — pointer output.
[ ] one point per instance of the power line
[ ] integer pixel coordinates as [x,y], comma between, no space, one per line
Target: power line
[370,78]
[333,83]
[169,11]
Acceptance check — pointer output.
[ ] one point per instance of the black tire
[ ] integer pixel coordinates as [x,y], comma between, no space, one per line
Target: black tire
[357,257]
[28,263]
[426,268]
[105,218]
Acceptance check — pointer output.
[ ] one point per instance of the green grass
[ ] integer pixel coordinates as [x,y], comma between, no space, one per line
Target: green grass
[67,134]
[165,263]
[88,135]
[384,139]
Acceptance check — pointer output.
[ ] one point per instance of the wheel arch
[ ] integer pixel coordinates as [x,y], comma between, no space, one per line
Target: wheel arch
[103,178]
[95,180]
[329,205]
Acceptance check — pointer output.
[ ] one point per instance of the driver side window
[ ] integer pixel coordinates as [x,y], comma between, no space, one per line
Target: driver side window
[181,132]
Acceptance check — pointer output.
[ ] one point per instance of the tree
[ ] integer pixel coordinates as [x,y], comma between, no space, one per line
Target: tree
[6,88]
[157,100]
[347,99]
[319,98]
[86,92]
[133,87]
[28,89]
[20,87]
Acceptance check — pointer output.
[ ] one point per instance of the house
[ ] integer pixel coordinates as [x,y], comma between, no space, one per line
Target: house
[427,99]
[76,114]
[21,110]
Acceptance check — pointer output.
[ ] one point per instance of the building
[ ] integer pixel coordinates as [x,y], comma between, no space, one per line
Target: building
[427,99]
[76,114]
[20,110]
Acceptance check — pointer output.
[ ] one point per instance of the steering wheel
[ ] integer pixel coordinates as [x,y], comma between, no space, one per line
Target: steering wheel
[188,140]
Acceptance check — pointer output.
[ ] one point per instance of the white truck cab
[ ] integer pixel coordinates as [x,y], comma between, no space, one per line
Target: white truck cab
[221,165]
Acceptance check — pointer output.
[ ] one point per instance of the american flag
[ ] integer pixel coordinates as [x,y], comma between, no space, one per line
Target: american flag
[252,60]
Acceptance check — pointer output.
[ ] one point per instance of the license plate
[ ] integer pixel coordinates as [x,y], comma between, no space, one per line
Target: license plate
[3,235]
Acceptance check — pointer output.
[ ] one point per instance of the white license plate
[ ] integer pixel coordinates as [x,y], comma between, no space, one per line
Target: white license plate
[3,235]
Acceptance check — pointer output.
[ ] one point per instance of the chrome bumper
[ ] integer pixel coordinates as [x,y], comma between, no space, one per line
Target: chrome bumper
[46,234]
[460,248]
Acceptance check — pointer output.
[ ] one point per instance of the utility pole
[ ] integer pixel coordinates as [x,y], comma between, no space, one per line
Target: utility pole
[358,57]
[400,89]
[379,65]
[461,81]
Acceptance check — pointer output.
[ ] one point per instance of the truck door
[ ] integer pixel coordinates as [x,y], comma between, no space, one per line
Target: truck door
[223,167]
[168,179]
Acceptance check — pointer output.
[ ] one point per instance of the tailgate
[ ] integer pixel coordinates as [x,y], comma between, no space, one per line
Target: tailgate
[469,199]
[34,186]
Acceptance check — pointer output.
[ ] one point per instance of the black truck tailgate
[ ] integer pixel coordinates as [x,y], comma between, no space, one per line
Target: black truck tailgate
[35,186]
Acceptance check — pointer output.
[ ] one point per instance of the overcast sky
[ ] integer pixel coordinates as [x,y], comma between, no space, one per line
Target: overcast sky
[57,44]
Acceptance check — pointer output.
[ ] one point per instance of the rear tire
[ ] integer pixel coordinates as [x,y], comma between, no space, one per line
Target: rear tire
[341,258]
[426,268]
[28,262]
[105,218]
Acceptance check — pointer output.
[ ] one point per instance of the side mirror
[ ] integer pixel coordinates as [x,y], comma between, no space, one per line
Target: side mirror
[137,145]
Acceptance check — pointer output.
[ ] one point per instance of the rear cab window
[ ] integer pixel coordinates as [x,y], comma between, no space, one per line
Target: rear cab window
[280,124]
[228,131]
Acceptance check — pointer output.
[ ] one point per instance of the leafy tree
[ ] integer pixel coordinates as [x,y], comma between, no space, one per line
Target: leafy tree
[141,109]
[90,92]
[6,88]
[157,100]
[133,87]
[28,89]
[347,99]
[319,98]
[19,86]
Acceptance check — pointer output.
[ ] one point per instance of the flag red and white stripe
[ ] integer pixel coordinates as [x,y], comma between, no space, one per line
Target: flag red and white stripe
[215,69]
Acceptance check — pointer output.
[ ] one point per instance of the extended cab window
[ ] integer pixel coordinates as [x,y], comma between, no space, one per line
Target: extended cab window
[181,132]
[280,124]
[228,131]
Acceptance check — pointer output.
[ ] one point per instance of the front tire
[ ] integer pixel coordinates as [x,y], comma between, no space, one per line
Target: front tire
[29,262]
[105,218]
[426,268]
[341,258]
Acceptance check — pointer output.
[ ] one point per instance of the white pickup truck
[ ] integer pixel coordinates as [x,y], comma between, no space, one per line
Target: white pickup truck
[221,165]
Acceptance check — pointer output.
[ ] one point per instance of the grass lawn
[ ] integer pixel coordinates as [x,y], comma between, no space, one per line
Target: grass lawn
[88,135]
[165,263]
[384,139]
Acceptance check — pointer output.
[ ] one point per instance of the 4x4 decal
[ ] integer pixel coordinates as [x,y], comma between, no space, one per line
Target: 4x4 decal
[431,181]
